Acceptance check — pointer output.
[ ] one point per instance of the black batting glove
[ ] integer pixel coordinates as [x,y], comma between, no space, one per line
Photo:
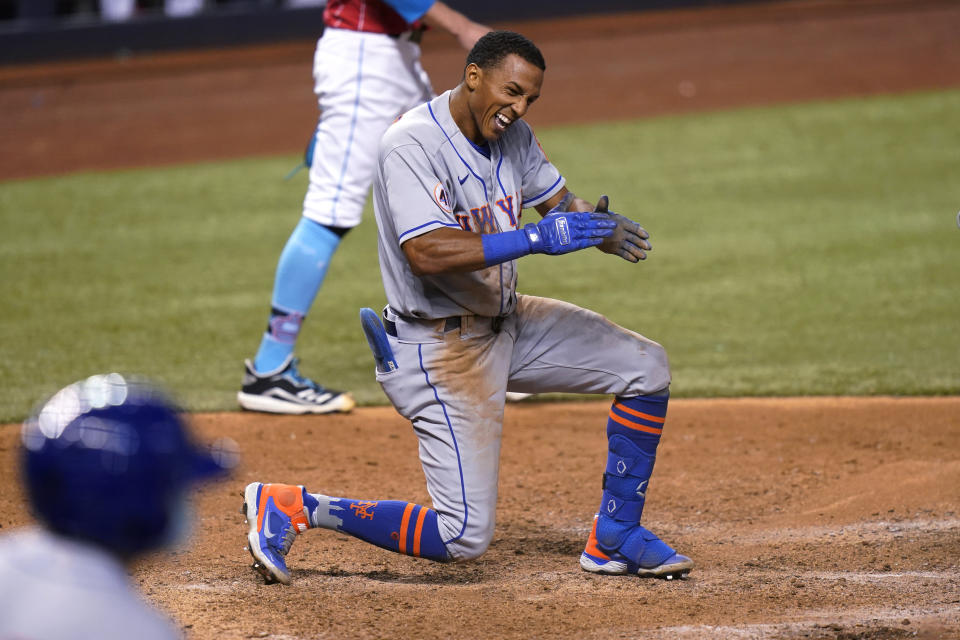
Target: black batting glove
[628,240]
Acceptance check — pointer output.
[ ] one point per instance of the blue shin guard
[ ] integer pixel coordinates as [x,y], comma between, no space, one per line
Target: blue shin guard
[618,544]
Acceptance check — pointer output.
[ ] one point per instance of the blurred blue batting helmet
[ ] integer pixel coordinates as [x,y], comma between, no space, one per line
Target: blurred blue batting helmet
[109,460]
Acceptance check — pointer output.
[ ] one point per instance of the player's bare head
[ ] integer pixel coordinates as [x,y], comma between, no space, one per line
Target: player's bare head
[491,49]
[502,79]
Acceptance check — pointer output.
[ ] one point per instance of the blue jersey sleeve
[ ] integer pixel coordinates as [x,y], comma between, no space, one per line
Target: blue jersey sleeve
[410,10]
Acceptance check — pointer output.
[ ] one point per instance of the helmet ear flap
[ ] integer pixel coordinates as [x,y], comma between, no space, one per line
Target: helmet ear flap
[109,460]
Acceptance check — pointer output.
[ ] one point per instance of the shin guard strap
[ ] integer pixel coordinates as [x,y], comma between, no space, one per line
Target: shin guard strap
[619,509]
[625,459]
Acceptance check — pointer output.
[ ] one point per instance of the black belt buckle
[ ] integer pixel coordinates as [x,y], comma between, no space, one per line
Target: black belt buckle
[451,323]
[496,323]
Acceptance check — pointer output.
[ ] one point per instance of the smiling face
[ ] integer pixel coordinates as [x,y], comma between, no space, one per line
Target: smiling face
[497,97]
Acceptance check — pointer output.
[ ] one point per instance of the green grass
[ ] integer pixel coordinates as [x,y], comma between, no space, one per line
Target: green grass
[809,249]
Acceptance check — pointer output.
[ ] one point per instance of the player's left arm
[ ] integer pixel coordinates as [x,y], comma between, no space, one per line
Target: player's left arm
[563,200]
[629,240]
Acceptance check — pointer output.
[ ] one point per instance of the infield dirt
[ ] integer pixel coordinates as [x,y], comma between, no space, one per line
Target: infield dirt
[808,518]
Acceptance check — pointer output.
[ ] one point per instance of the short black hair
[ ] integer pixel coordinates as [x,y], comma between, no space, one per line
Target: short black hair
[492,48]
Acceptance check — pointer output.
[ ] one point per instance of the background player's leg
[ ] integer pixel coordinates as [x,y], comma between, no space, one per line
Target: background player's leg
[300,272]
[363,82]
[360,87]
[272,382]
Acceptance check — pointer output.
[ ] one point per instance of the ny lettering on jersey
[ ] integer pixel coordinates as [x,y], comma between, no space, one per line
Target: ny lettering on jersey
[484,220]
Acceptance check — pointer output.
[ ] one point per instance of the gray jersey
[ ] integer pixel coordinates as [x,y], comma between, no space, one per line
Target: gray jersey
[54,588]
[430,176]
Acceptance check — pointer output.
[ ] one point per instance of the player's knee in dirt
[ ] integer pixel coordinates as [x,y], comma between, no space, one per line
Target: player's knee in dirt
[463,550]
[472,543]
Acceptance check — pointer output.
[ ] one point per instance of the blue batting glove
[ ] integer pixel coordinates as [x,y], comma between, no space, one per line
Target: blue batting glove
[560,233]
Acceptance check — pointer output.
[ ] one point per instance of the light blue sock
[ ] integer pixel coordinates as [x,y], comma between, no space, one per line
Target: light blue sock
[300,272]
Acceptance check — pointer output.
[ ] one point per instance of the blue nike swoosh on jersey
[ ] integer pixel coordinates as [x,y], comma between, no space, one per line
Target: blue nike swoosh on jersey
[464,178]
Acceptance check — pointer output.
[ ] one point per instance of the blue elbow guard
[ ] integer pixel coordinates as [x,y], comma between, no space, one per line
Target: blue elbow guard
[505,246]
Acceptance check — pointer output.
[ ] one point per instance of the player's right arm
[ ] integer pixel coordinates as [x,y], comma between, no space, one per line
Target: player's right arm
[448,250]
[445,250]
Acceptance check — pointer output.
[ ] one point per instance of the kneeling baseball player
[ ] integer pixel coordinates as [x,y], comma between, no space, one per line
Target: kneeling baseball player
[454,175]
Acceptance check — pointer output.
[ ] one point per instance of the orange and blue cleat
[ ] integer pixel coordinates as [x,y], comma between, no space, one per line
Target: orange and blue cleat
[654,558]
[275,515]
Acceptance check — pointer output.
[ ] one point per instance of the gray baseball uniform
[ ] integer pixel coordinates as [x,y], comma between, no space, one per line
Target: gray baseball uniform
[462,340]
[54,588]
